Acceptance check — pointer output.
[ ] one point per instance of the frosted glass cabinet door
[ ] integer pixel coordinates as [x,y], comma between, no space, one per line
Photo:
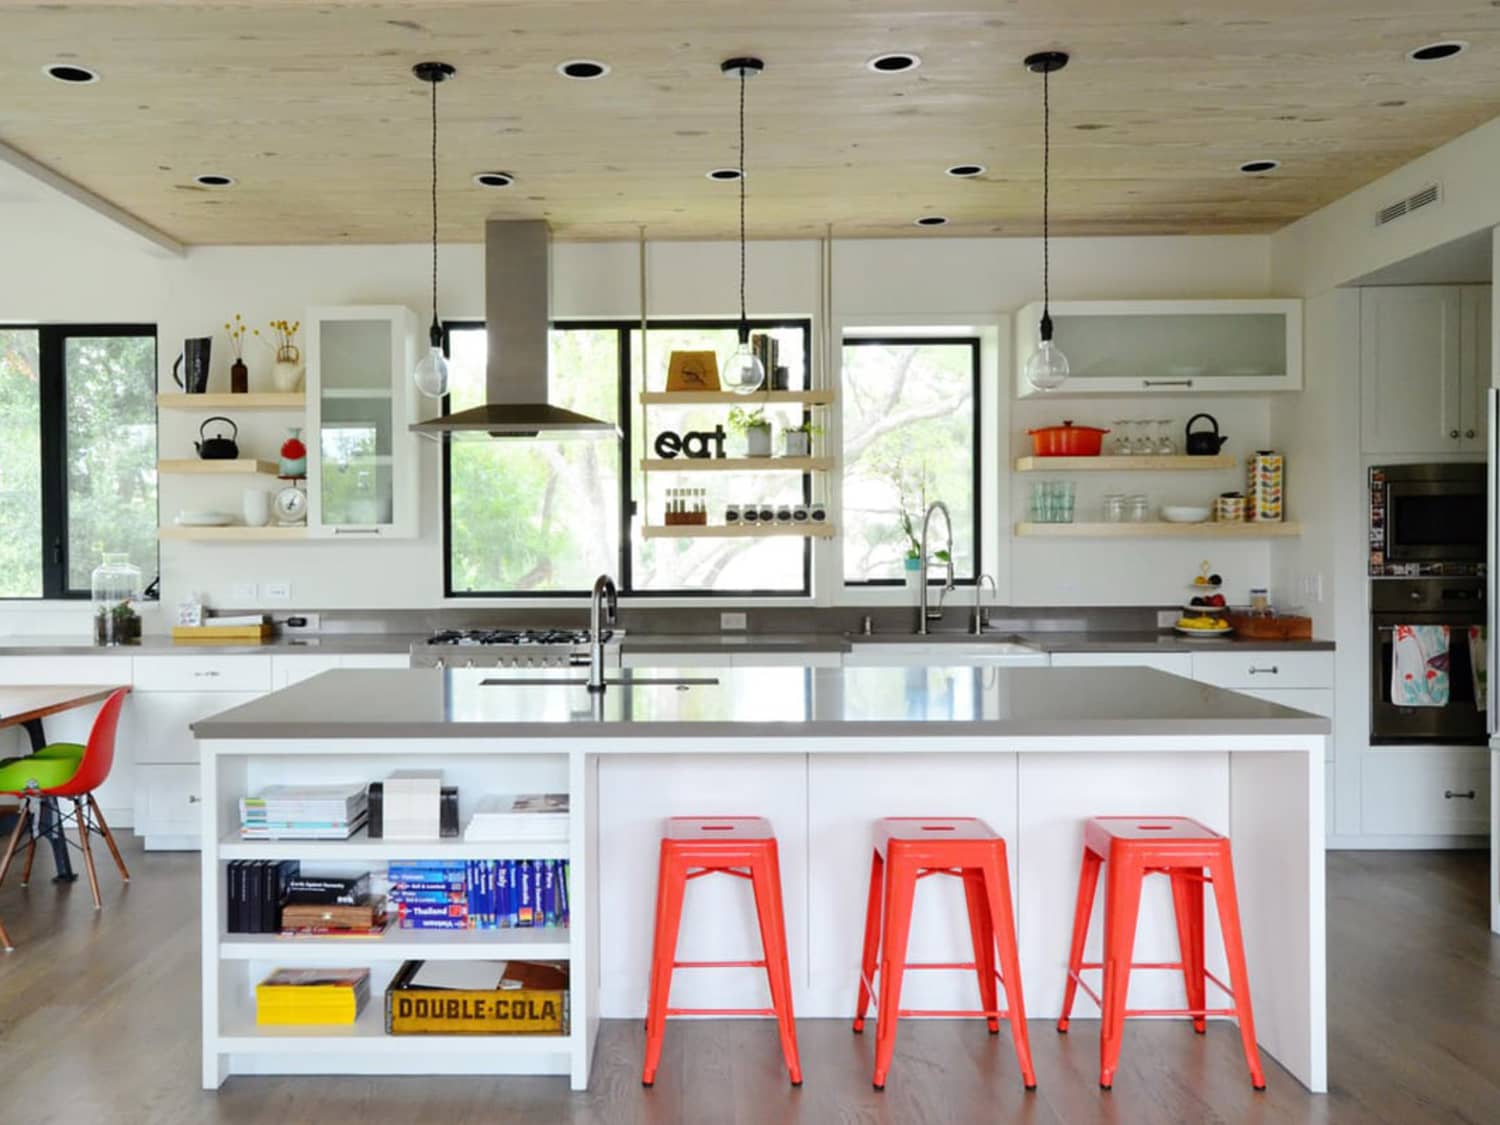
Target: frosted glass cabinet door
[361,461]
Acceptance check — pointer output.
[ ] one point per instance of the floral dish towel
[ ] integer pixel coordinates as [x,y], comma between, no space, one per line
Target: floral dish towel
[1419,668]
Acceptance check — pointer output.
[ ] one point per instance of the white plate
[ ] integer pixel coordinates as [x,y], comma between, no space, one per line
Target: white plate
[1205,608]
[204,519]
[1186,632]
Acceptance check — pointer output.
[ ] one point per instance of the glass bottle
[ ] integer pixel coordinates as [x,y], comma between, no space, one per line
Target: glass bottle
[116,587]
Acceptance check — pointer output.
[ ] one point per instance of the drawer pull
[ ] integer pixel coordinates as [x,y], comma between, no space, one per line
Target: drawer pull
[209,673]
[1166,382]
[1273,670]
[192,800]
[1450,794]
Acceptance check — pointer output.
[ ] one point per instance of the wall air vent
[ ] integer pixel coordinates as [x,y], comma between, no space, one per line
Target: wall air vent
[1429,195]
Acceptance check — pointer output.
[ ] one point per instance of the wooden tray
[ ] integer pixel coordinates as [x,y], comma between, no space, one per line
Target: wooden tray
[1288,628]
[222,634]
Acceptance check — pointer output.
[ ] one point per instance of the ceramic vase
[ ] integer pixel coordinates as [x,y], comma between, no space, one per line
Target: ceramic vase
[286,375]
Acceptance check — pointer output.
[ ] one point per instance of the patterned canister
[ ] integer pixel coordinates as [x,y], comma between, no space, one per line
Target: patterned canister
[1265,479]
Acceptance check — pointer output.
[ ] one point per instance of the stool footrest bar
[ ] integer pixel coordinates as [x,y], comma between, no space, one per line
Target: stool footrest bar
[721,1011]
[718,964]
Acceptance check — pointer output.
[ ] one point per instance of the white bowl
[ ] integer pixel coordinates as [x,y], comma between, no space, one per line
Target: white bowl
[1184,514]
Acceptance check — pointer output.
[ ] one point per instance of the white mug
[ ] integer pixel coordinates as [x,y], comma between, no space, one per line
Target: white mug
[256,507]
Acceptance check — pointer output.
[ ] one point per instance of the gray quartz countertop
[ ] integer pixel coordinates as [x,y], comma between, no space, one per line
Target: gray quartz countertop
[160,644]
[791,702]
[731,642]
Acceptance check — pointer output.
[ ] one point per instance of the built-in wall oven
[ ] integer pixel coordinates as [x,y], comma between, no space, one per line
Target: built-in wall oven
[1459,604]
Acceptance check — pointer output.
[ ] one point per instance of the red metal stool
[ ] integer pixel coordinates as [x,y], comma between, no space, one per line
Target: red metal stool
[911,848]
[731,845]
[1183,850]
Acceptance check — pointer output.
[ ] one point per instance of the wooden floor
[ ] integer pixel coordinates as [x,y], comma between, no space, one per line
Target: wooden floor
[99,1023]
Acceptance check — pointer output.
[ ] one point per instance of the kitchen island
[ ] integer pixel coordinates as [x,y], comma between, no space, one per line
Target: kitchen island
[821,752]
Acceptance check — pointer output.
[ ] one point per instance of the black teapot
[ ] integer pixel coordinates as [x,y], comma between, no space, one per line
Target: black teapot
[218,447]
[1204,443]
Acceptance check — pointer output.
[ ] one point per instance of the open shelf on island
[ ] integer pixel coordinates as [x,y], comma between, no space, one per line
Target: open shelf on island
[756,398]
[547,943]
[1128,464]
[1159,530]
[740,531]
[232,534]
[260,400]
[737,465]
[192,466]
[360,847]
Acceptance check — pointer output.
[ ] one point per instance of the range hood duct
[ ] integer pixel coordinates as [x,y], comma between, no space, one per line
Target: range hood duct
[517,285]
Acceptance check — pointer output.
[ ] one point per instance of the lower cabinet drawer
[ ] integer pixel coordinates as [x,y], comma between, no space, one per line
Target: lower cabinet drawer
[1269,669]
[1425,792]
[202,672]
[1178,663]
[168,802]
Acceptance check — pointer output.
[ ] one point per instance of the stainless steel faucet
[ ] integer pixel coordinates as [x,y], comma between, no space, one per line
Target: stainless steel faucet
[923,614]
[982,615]
[605,599]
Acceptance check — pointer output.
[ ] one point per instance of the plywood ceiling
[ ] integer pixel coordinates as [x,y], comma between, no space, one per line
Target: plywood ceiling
[312,108]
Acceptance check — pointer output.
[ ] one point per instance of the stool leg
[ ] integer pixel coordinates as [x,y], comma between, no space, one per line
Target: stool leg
[765,878]
[982,933]
[82,816]
[1003,919]
[670,886]
[872,940]
[900,888]
[23,817]
[1122,903]
[1187,905]
[1088,884]
[1234,953]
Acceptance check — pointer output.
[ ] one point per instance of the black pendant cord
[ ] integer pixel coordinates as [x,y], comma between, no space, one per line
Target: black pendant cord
[1046,327]
[435,333]
[744,321]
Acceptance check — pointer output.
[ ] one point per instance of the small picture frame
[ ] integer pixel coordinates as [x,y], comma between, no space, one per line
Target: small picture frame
[693,371]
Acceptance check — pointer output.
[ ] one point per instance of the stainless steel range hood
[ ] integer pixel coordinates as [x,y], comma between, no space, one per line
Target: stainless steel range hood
[517,283]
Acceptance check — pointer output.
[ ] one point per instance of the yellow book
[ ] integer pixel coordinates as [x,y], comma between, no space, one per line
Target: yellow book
[312,996]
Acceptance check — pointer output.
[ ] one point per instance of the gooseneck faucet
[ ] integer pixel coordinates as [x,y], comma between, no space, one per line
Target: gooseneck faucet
[923,614]
[604,604]
[982,615]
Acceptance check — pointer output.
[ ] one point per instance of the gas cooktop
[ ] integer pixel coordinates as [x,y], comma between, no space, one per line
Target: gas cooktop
[513,637]
[511,648]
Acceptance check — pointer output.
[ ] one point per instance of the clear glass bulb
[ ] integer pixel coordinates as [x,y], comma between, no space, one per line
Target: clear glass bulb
[1047,367]
[743,373]
[431,373]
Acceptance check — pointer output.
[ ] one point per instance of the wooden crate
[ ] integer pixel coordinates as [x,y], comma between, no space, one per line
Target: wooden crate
[222,634]
[1287,628]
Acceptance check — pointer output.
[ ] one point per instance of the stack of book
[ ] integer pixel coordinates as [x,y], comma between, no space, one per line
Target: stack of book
[312,996]
[524,816]
[303,812]
[256,888]
[428,894]
[502,893]
[332,906]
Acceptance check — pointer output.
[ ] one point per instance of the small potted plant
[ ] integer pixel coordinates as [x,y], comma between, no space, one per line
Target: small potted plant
[756,428]
[913,568]
[798,439]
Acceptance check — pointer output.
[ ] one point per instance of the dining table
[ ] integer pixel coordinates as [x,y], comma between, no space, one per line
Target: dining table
[25,706]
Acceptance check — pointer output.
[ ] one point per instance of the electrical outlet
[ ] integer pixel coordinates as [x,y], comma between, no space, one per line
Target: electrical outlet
[732,622]
[242,594]
[278,591]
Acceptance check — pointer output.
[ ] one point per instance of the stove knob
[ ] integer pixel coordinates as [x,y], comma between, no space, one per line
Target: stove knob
[469,663]
[531,662]
[441,663]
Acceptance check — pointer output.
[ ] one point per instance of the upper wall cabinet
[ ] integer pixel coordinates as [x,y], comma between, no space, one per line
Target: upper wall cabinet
[362,460]
[1176,347]
[1424,362]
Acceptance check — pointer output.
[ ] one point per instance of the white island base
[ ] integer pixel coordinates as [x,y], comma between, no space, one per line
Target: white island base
[821,791]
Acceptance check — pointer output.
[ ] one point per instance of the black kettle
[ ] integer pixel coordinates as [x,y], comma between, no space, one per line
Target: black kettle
[218,447]
[1204,443]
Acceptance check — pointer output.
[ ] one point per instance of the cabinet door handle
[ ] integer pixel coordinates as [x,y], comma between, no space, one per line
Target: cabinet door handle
[1453,433]
[1450,794]
[1273,670]
[209,673]
[1468,433]
[192,800]
[376,530]
[1170,383]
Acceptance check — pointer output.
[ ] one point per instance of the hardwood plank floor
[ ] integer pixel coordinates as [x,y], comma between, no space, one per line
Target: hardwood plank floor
[99,1023]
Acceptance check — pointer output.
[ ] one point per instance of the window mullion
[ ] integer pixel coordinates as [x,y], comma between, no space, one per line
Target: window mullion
[53,410]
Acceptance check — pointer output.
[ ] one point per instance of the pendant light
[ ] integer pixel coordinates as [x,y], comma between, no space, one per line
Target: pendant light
[742,372]
[1047,367]
[431,373]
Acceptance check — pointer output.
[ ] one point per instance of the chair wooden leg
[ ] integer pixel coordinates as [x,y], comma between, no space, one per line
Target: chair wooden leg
[5,938]
[30,858]
[23,817]
[88,854]
[109,838]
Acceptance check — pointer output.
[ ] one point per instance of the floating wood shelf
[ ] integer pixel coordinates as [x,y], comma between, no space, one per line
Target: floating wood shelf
[239,467]
[268,400]
[741,531]
[759,398]
[1160,530]
[1179,463]
[737,464]
[233,533]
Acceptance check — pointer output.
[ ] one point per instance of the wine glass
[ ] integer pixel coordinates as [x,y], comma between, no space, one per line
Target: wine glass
[1119,445]
[1144,446]
[1165,446]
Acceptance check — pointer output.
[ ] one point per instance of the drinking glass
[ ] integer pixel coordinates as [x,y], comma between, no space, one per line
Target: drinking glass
[1139,507]
[1114,508]
[1165,446]
[1063,492]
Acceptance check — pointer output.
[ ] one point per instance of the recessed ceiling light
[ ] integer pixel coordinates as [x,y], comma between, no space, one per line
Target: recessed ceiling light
[213,179]
[67,72]
[894,62]
[965,171]
[931,221]
[584,70]
[494,179]
[723,175]
[1256,167]
[1445,49]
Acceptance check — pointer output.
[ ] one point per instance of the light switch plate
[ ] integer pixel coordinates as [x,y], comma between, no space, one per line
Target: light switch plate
[732,622]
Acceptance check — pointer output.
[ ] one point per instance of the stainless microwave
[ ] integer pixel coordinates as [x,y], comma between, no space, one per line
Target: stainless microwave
[1430,515]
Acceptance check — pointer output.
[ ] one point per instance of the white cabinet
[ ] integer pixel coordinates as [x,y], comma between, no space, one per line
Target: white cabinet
[293,668]
[915,653]
[362,459]
[1177,663]
[209,672]
[1292,678]
[1431,791]
[1424,368]
[1171,347]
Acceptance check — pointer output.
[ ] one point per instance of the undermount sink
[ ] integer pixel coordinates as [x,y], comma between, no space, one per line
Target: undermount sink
[609,681]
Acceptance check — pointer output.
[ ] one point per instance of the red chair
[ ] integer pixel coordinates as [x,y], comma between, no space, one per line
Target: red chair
[743,846]
[1190,855]
[912,848]
[66,770]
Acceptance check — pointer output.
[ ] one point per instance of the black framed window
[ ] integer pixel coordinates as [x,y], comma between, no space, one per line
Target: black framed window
[77,454]
[910,430]
[543,519]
